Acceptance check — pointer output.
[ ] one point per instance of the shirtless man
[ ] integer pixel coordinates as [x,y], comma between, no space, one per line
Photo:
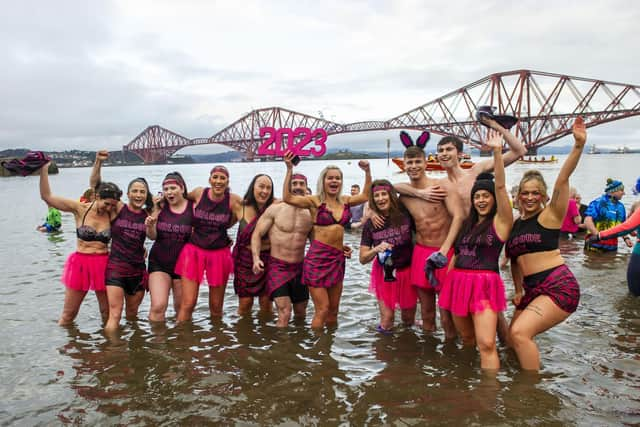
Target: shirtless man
[437,225]
[288,228]
[460,181]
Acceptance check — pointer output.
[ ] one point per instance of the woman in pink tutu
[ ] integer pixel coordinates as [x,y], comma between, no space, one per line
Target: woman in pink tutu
[208,251]
[84,269]
[126,273]
[323,267]
[390,249]
[474,292]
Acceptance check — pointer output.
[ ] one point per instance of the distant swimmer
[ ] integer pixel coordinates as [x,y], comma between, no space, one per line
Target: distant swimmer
[53,222]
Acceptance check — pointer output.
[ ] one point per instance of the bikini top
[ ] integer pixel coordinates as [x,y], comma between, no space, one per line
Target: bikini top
[89,234]
[528,236]
[325,217]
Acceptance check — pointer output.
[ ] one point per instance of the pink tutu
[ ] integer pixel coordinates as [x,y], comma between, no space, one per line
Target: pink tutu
[85,272]
[418,276]
[398,294]
[194,261]
[472,291]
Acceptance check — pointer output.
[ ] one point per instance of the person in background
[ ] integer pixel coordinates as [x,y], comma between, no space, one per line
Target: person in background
[603,213]
[88,196]
[572,220]
[53,222]
[357,211]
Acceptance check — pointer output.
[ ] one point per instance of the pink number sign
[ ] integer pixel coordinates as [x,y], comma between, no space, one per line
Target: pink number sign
[279,141]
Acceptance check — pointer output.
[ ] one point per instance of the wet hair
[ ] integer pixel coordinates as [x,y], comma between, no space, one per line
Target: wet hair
[250,198]
[321,193]
[413,152]
[534,175]
[108,190]
[148,203]
[457,142]
[356,186]
[178,177]
[470,225]
[396,209]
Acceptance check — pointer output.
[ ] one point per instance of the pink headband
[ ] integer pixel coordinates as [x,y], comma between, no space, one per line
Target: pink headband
[299,176]
[220,169]
[171,181]
[384,187]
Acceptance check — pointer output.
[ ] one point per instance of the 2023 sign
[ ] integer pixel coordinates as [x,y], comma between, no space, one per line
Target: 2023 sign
[296,141]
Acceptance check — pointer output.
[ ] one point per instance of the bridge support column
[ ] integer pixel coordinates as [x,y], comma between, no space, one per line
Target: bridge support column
[532,151]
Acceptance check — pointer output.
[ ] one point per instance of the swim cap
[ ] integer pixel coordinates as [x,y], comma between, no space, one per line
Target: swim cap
[613,185]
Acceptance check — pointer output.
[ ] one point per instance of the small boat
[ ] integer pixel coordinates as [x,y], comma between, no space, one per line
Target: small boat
[535,160]
[432,165]
[593,150]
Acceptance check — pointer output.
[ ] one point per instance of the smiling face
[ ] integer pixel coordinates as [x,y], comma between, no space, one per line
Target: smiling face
[219,183]
[106,206]
[415,167]
[530,197]
[173,193]
[299,187]
[618,194]
[262,189]
[333,182]
[137,195]
[382,200]
[483,202]
[448,155]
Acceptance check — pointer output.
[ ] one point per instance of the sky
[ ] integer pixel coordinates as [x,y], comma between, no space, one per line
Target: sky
[90,75]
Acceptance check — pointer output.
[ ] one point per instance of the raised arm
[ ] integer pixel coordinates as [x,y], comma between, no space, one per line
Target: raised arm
[626,227]
[504,215]
[454,206]
[434,193]
[560,197]
[195,194]
[94,179]
[65,205]
[516,148]
[263,225]
[305,202]
[364,195]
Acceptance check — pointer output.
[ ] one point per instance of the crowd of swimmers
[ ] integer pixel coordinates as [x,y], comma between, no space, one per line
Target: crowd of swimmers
[436,242]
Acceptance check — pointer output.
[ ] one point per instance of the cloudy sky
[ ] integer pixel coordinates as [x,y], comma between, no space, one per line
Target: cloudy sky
[87,75]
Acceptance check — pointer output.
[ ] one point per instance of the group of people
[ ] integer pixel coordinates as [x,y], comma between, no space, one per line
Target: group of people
[439,237]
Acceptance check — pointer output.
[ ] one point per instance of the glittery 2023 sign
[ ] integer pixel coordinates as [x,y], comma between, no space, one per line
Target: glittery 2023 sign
[301,141]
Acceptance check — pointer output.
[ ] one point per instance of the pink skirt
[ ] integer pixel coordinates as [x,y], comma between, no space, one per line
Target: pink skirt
[85,272]
[418,260]
[398,294]
[472,291]
[193,262]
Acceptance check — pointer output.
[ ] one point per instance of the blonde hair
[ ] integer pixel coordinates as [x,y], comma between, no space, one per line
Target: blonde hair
[534,175]
[321,193]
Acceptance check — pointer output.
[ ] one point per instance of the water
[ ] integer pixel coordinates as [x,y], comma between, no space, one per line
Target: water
[245,371]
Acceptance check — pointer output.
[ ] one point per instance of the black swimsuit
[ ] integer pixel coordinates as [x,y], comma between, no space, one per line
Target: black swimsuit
[89,234]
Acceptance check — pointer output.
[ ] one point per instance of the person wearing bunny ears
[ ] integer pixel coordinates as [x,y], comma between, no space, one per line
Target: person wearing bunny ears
[437,224]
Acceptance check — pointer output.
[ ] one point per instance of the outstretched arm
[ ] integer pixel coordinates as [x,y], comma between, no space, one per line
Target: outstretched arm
[560,197]
[516,148]
[304,202]
[626,227]
[434,193]
[94,179]
[504,215]
[66,205]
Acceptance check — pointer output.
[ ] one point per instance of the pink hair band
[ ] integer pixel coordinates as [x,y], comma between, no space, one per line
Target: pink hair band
[299,176]
[220,169]
[171,181]
[386,188]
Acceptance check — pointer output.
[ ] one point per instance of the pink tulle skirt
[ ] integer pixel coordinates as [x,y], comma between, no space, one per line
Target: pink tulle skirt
[194,262]
[399,294]
[85,272]
[472,291]
[418,277]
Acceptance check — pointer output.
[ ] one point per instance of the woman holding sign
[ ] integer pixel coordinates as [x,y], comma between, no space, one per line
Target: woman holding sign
[323,268]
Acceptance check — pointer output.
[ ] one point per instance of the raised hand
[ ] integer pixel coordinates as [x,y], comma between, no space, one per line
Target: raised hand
[288,159]
[494,139]
[364,165]
[579,132]
[102,155]
[491,123]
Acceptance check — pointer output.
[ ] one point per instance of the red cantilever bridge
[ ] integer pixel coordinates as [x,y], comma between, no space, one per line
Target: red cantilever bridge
[545,103]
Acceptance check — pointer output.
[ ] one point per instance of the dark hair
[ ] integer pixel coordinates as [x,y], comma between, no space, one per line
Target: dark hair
[356,185]
[413,152]
[250,198]
[396,209]
[108,190]
[470,226]
[457,142]
[178,177]
[148,203]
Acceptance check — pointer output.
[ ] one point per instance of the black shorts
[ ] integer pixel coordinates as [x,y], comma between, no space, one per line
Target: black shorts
[130,285]
[155,267]
[293,289]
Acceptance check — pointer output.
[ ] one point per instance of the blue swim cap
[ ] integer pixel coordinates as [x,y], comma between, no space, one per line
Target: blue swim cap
[636,189]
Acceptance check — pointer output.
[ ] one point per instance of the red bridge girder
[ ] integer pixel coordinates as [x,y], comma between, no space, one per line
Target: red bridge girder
[546,104]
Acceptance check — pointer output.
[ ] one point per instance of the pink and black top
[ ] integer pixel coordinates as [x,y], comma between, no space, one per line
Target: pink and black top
[480,252]
[173,232]
[400,236]
[325,217]
[128,233]
[528,236]
[211,219]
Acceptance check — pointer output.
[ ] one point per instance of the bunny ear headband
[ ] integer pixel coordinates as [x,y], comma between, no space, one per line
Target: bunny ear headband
[421,142]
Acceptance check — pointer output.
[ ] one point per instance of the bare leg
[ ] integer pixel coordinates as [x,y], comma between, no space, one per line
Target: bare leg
[464,326]
[245,304]
[541,314]
[320,298]
[115,295]
[283,304]
[447,324]
[408,316]
[159,287]
[132,304]
[335,293]
[189,299]
[103,304]
[176,288]
[484,323]
[503,329]
[386,316]
[266,305]
[216,300]
[72,301]
[427,309]
[300,310]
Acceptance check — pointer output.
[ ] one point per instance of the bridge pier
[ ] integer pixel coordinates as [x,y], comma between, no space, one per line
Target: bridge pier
[532,151]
